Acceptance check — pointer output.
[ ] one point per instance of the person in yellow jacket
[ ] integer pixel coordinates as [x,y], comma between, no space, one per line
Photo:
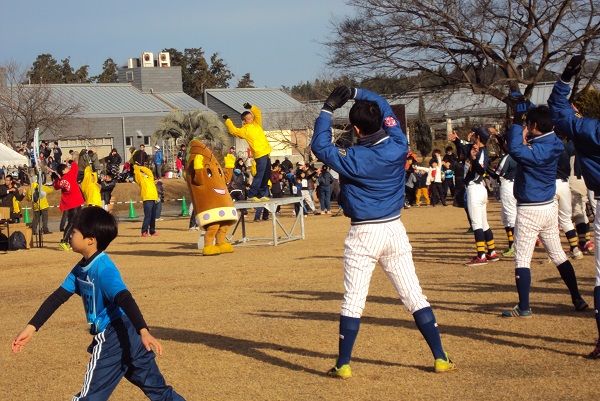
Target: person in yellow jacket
[89,187]
[40,206]
[252,131]
[145,179]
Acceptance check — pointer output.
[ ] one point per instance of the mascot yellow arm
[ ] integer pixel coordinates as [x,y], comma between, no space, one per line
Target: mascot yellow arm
[229,161]
[198,162]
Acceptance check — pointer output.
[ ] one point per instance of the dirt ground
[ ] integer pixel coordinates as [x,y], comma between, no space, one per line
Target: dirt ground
[261,323]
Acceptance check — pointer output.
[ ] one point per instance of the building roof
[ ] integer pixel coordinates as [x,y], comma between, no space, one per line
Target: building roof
[114,100]
[280,111]
[268,99]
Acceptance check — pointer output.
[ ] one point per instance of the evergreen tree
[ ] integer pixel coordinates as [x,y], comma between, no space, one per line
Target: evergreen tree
[589,104]
[45,70]
[423,139]
[246,81]
[108,74]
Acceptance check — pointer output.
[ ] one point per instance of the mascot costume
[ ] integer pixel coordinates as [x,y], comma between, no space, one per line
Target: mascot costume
[213,205]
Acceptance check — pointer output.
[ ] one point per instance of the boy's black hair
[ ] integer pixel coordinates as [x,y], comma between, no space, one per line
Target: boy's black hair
[95,222]
[541,116]
[60,168]
[366,115]
[244,114]
[449,148]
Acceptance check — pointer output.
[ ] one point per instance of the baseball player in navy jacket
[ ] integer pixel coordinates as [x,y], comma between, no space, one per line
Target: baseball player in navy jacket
[536,149]
[585,134]
[376,233]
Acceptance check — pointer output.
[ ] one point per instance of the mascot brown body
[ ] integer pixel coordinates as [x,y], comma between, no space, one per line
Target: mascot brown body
[213,205]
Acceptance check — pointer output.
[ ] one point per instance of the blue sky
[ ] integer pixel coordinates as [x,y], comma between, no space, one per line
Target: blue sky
[276,41]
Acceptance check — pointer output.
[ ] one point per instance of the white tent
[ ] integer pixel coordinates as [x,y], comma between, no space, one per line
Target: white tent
[10,158]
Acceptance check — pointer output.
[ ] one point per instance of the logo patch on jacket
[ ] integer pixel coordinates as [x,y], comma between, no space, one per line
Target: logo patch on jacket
[578,115]
[390,121]
[342,151]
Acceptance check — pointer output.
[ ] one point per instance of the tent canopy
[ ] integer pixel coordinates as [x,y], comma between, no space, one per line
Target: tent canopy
[10,158]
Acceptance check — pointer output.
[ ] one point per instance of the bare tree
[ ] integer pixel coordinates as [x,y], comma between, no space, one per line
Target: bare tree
[487,46]
[24,107]
[294,129]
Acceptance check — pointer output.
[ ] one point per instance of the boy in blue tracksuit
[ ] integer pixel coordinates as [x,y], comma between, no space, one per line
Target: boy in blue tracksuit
[585,134]
[122,343]
[536,149]
[369,172]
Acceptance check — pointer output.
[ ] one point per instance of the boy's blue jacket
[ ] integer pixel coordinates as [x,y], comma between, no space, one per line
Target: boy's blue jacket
[535,179]
[371,173]
[583,131]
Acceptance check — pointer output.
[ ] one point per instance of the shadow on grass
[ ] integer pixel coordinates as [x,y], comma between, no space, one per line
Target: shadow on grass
[492,336]
[259,350]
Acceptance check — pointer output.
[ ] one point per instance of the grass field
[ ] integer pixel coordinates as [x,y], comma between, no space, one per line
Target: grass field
[262,323]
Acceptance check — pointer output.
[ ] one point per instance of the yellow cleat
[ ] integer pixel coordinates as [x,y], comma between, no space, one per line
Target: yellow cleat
[443,366]
[343,372]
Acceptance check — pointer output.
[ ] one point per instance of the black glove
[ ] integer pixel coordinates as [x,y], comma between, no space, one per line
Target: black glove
[572,68]
[247,106]
[522,106]
[338,97]
[225,116]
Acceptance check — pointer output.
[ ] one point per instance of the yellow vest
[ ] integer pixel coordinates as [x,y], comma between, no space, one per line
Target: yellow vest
[145,179]
[252,133]
[42,203]
[90,188]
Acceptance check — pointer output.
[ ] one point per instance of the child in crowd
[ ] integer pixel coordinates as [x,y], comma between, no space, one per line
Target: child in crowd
[179,165]
[107,185]
[411,185]
[161,197]
[421,185]
[448,173]
[122,344]
[145,179]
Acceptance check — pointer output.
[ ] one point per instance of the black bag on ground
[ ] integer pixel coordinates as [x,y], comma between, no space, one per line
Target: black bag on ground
[3,242]
[17,241]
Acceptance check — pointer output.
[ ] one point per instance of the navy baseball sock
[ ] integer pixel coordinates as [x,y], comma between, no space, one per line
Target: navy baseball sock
[523,279]
[572,238]
[480,242]
[509,235]
[348,331]
[597,308]
[425,320]
[568,275]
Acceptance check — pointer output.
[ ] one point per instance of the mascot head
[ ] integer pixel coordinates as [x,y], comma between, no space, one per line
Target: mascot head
[207,185]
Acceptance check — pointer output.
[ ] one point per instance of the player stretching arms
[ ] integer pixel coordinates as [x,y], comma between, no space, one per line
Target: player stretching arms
[536,149]
[585,134]
[376,232]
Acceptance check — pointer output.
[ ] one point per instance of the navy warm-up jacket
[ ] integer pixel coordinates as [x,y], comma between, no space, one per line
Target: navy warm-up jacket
[372,173]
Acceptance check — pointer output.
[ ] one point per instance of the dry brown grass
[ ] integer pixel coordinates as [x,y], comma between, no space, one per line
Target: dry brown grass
[261,323]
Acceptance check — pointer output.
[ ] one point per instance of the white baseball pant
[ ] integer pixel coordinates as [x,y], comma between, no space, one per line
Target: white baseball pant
[534,221]
[597,241]
[578,200]
[386,243]
[593,203]
[563,200]
[508,211]
[477,203]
